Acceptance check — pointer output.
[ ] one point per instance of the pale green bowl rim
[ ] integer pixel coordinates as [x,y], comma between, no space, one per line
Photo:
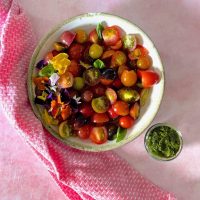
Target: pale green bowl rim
[35,108]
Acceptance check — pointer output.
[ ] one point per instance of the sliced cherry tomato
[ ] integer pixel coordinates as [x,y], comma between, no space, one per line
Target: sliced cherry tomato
[118,45]
[84,131]
[93,37]
[128,78]
[118,58]
[105,81]
[74,68]
[148,78]
[64,130]
[76,51]
[67,37]
[100,118]
[139,51]
[99,135]
[100,104]
[144,62]
[135,110]
[111,35]
[81,36]
[87,95]
[112,113]
[86,110]
[108,54]
[126,121]
[121,69]
[66,80]
[111,95]
[121,108]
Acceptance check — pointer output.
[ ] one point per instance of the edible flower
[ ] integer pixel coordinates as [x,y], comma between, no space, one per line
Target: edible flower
[48,119]
[60,62]
[54,78]
[40,82]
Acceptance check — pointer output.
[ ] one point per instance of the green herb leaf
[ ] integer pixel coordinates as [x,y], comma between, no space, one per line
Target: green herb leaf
[47,70]
[99,64]
[99,30]
[121,133]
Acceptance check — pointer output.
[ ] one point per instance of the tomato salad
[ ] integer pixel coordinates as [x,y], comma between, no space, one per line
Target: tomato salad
[93,85]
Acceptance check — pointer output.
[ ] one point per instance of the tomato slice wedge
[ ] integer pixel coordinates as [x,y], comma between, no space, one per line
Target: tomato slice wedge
[99,135]
[111,35]
[148,78]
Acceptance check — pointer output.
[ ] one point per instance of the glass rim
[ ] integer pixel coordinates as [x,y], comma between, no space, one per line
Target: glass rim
[163,158]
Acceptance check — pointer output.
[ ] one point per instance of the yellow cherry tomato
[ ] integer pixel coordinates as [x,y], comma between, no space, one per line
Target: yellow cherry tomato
[95,51]
[81,36]
[128,78]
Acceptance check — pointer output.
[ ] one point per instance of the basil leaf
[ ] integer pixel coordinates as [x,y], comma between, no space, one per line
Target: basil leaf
[121,133]
[47,70]
[99,64]
[99,30]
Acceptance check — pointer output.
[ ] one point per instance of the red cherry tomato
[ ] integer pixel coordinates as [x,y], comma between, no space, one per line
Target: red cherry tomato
[93,37]
[111,35]
[126,121]
[112,113]
[84,131]
[86,110]
[121,108]
[99,90]
[55,53]
[74,68]
[148,78]
[99,135]
[105,81]
[117,83]
[100,118]
[76,51]
[67,37]
[138,52]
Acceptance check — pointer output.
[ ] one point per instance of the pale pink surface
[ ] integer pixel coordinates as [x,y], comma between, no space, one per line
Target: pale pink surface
[174,28]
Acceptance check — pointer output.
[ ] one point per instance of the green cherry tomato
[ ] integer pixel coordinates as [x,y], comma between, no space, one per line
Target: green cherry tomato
[95,51]
[100,104]
[79,83]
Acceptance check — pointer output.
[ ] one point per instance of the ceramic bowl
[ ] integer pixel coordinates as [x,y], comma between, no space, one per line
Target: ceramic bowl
[88,22]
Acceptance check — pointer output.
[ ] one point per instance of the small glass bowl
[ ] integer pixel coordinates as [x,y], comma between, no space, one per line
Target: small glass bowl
[158,157]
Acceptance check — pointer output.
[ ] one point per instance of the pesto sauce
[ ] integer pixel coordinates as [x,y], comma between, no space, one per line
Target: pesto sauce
[163,141]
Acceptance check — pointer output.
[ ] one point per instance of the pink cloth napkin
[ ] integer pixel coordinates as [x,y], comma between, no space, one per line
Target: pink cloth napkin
[81,175]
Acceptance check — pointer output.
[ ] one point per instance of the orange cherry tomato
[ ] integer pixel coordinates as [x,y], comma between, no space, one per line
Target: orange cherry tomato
[121,108]
[81,36]
[144,62]
[66,80]
[126,121]
[121,69]
[111,35]
[40,82]
[106,81]
[135,111]
[138,52]
[128,78]
[99,135]
[100,118]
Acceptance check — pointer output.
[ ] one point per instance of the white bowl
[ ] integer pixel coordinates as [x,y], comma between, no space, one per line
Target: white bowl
[88,22]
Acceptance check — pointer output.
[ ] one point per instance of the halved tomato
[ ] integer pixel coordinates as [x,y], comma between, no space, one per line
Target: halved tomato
[100,118]
[148,78]
[111,35]
[84,131]
[99,135]
[93,37]
[118,45]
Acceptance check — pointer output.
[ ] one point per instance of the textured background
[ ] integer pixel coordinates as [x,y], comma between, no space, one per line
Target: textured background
[174,27]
